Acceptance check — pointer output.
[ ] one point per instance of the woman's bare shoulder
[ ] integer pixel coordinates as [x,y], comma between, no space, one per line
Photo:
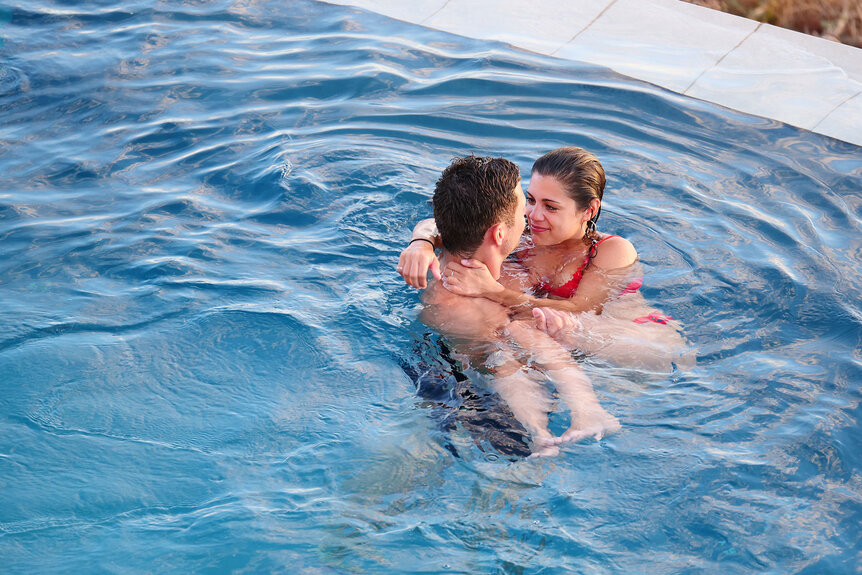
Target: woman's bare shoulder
[615,252]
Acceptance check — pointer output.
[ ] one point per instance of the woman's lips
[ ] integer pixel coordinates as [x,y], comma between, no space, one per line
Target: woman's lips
[537,229]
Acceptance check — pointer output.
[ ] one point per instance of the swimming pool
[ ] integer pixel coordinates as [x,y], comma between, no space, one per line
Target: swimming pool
[206,356]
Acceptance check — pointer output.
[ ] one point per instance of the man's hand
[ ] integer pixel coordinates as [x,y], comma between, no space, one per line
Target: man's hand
[414,263]
[470,278]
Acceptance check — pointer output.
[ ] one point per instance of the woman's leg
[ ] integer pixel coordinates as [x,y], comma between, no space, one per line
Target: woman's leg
[530,403]
[620,341]
[588,417]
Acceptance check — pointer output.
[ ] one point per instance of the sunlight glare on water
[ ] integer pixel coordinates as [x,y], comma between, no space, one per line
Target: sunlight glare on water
[209,365]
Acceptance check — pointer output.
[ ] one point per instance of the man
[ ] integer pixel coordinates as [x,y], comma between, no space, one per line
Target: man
[479,209]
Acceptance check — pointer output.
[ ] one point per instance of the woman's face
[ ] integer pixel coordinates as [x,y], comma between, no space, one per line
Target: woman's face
[553,215]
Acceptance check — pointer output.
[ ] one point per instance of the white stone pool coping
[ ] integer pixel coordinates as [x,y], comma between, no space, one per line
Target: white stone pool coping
[735,62]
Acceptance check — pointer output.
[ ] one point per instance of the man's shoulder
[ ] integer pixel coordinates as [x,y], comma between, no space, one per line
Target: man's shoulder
[457,315]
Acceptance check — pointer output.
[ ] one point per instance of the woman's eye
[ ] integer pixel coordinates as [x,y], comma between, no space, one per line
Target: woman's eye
[551,208]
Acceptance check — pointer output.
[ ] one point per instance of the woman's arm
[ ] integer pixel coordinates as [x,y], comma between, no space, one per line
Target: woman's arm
[419,257]
[427,230]
[473,279]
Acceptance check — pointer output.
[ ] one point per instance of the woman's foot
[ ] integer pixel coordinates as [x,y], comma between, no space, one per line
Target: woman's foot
[597,423]
[545,446]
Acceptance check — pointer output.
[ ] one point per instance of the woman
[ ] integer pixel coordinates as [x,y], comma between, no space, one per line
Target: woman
[566,272]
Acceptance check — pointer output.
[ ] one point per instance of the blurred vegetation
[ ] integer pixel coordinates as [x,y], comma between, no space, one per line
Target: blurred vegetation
[838,20]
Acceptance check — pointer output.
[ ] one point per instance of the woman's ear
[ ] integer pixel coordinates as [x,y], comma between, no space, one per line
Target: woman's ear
[595,206]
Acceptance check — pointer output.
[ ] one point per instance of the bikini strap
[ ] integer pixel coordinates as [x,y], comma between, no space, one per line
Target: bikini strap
[591,253]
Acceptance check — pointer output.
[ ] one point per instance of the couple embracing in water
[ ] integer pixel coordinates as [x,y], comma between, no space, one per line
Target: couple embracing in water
[566,287]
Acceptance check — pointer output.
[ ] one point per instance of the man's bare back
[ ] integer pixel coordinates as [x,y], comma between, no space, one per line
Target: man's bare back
[462,318]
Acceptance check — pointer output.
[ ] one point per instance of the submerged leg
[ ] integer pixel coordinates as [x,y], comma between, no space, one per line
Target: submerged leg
[588,417]
[618,340]
[530,403]
[528,400]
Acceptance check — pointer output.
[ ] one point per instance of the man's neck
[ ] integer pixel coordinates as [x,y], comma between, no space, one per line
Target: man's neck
[485,254]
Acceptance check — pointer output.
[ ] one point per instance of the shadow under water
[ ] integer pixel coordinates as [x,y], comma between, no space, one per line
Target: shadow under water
[458,402]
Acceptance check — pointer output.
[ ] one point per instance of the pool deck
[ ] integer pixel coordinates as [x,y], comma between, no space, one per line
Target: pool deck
[735,62]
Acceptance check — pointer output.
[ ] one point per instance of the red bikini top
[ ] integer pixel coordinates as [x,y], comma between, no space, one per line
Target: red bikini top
[569,288]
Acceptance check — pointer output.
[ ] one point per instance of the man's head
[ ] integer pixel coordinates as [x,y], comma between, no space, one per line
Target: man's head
[477,196]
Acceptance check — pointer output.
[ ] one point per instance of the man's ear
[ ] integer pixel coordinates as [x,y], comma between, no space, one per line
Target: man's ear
[496,234]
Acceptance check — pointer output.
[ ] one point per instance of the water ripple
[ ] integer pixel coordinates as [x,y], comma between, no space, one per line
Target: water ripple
[201,206]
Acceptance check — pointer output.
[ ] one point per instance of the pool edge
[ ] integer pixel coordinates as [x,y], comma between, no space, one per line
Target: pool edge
[755,68]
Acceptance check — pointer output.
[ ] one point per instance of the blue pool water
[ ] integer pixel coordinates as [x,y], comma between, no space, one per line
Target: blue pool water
[206,354]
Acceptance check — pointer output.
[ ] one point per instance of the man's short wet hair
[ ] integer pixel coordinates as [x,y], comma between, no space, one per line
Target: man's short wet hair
[473,194]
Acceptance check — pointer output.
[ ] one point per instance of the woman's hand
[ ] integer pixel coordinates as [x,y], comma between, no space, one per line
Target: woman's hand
[414,263]
[554,322]
[470,278]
